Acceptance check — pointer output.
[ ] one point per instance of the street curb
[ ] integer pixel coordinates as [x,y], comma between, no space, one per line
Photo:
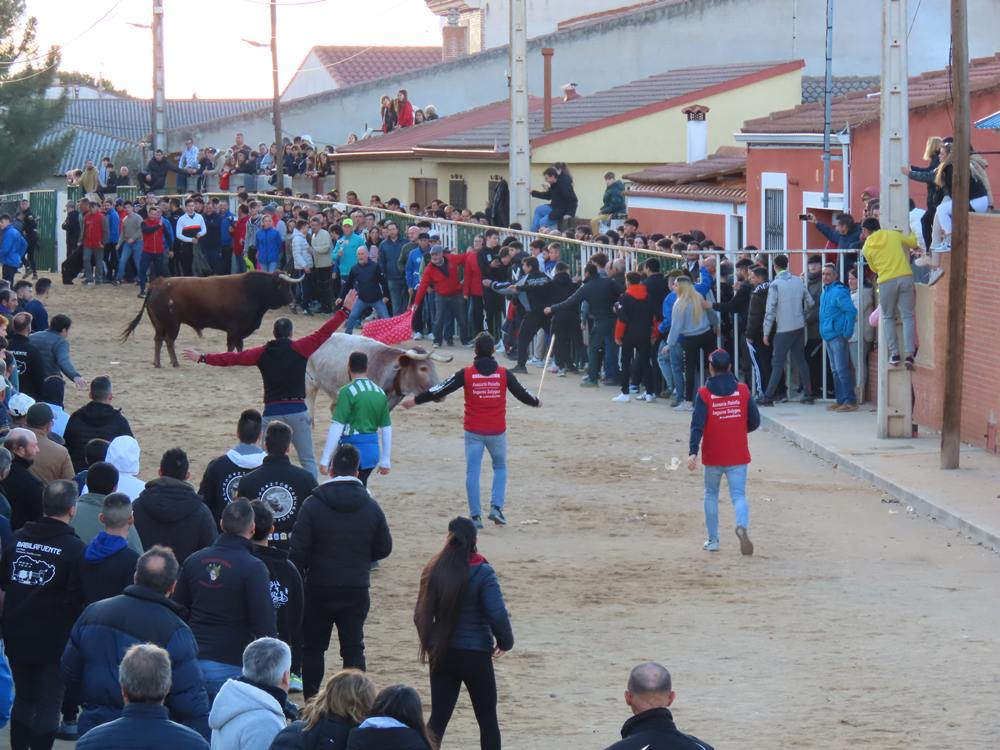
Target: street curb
[951,519]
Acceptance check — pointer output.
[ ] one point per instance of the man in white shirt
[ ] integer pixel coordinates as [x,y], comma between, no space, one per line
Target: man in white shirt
[187,164]
[190,226]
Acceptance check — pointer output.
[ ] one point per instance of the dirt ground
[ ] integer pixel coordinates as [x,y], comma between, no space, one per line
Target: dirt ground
[856,624]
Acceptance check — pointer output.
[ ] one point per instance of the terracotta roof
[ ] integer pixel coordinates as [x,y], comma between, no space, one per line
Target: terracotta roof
[605,15]
[351,65]
[695,191]
[858,109]
[728,160]
[404,140]
[813,87]
[645,96]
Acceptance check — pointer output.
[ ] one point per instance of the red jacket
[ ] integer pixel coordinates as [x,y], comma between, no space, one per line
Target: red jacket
[404,117]
[240,234]
[725,442]
[485,401]
[152,237]
[93,230]
[472,283]
[446,285]
[304,346]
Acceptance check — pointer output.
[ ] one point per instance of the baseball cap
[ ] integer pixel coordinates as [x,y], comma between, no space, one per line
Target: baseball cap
[437,250]
[347,222]
[19,404]
[719,359]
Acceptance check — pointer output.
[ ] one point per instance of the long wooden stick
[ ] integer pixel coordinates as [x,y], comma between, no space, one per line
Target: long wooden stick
[545,367]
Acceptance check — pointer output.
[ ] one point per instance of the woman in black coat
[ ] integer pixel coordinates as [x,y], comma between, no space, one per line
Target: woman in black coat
[340,705]
[395,722]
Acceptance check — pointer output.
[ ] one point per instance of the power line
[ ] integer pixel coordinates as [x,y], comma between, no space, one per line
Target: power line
[61,47]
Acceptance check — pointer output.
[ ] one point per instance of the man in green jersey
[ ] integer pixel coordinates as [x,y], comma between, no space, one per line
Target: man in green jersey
[362,413]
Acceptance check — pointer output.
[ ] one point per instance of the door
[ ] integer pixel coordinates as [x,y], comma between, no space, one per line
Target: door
[425,190]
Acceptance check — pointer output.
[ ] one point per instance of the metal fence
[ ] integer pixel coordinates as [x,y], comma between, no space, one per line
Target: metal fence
[43,205]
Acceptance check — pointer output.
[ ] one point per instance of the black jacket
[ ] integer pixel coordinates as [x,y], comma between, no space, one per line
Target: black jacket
[93,420]
[658,289]
[42,585]
[330,733]
[499,208]
[284,488]
[169,512]
[142,726]
[30,367]
[286,596]
[635,316]
[395,738]
[655,730]
[561,196]
[283,371]
[340,531]
[221,480]
[739,304]
[24,492]
[368,280]
[104,576]
[157,171]
[562,289]
[535,286]
[599,293]
[228,595]
[755,314]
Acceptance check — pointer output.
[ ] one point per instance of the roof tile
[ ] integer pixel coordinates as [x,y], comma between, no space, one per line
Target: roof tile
[352,65]
[727,161]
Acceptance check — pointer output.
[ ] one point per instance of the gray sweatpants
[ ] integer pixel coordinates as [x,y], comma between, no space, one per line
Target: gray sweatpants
[794,343]
[897,298]
[302,437]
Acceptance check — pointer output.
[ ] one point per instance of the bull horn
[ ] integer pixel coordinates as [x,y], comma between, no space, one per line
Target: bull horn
[290,280]
[414,354]
[438,357]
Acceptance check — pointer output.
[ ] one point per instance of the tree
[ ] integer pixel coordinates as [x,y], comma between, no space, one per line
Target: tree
[75,78]
[25,114]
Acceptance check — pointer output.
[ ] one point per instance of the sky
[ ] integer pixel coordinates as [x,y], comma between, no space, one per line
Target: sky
[203,51]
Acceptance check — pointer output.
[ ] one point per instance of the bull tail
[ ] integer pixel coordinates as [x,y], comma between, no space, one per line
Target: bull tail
[130,329]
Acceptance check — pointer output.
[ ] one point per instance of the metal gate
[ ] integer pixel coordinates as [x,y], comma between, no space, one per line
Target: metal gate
[774,219]
[43,205]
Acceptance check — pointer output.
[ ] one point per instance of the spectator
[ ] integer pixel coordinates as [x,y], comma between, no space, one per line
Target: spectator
[302,262]
[13,247]
[612,204]
[95,419]
[6,535]
[95,237]
[760,353]
[395,722]
[443,274]
[155,176]
[168,511]
[837,318]
[862,300]
[321,245]
[52,461]
[35,304]
[31,367]
[286,587]
[565,322]
[146,677]
[404,110]
[190,228]
[689,319]
[885,253]
[53,396]
[124,453]
[130,243]
[223,474]
[73,228]
[460,611]
[42,600]
[269,244]
[650,694]
[534,290]
[249,712]
[53,346]
[561,196]
[341,704]
[109,561]
[157,240]
[339,532]
[226,591]
[345,251]
[389,255]
[96,450]
[845,235]
[102,480]
[187,165]
[788,303]
[142,613]
[22,488]
[814,341]
[367,279]
[633,332]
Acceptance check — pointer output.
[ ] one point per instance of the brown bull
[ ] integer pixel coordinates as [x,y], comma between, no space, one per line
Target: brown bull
[235,304]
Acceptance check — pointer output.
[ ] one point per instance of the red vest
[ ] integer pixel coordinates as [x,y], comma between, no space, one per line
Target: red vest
[724,442]
[485,401]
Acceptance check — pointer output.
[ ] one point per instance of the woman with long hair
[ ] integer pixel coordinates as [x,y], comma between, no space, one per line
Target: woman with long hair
[689,319]
[326,721]
[460,611]
[395,722]
[387,109]
[926,175]
[980,197]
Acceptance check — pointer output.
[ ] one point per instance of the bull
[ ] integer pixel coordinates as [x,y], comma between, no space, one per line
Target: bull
[235,304]
[398,372]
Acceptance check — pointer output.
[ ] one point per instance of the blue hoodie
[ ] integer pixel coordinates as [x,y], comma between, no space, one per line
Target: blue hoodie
[103,546]
[837,313]
[114,226]
[13,246]
[412,272]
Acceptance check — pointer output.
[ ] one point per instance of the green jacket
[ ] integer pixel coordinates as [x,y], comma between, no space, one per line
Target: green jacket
[614,199]
[87,522]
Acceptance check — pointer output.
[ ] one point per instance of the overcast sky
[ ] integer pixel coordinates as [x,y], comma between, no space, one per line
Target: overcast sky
[203,51]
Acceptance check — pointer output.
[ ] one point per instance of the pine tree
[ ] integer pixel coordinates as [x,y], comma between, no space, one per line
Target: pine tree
[25,114]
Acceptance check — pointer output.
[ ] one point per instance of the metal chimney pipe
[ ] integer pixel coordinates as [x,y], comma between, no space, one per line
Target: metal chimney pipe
[547,53]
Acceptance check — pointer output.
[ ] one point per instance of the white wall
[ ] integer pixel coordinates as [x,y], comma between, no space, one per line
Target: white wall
[543,16]
[311,78]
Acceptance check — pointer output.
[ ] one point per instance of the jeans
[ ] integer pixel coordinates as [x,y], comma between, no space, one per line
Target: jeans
[859,365]
[38,696]
[216,673]
[474,669]
[785,343]
[238,264]
[302,438]
[10,273]
[540,218]
[736,476]
[450,310]
[361,309]
[93,255]
[269,267]
[152,263]
[898,297]
[131,250]
[347,608]
[604,331]
[398,295]
[475,443]
[840,363]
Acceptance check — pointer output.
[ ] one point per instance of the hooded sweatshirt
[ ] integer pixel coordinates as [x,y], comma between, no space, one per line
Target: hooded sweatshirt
[169,512]
[222,476]
[108,567]
[87,524]
[885,253]
[123,454]
[93,420]
[286,596]
[635,316]
[245,716]
[283,487]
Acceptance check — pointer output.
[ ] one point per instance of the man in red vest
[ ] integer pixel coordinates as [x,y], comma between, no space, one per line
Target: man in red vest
[485,384]
[724,414]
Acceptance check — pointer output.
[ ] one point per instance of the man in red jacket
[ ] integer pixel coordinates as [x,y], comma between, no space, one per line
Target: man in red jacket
[442,273]
[94,233]
[154,249]
[724,414]
[282,365]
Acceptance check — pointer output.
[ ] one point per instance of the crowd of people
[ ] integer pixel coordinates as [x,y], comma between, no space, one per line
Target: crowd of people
[398,112]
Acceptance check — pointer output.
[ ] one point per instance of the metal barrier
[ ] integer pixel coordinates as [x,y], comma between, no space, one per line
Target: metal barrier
[43,205]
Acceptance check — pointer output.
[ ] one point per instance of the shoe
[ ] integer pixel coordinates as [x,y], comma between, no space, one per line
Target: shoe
[807,399]
[295,683]
[684,406]
[451,342]
[536,362]
[477,521]
[765,401]
[746,546]
[519,369]
[67,731]
[622,398]
[499,347]
[833,407]
[417,336]
[560,373]
[674,403]
[374,566]
[712,545]
[649,398]
[633,389]
[908,362]
[141,295]
[894,360]
[943,246]
[115,282]
[588,383]
[935,276]
[87,282]
[848,407]
[496,516]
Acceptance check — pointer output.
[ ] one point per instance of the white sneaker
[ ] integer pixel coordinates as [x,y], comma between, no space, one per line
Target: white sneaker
[622,398]
[935,276]
[712,545]
[649,398]
[684,406]
[417,336]
[554,369]
[499,348]
[943,246]
[536,362]
[560,373]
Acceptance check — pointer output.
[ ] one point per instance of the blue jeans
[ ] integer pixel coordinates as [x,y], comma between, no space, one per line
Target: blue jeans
[840,362]
[677,368]
[398,296]
[238,264]
[361,309]
[215,674]
[450,309]
[474,446]
[131,250]
[153,264]
[269,267]
[736,476]
[540,218]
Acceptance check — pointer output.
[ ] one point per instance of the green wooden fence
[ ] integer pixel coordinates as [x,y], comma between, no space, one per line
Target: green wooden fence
[43,205]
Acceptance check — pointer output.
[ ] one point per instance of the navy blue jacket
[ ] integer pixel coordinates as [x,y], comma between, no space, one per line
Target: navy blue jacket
[720,385]
[483,615]
[99,640]
[842,241]
[143,726]
[654,729]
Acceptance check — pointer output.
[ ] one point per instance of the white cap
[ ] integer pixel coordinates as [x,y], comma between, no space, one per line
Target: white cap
[19,404]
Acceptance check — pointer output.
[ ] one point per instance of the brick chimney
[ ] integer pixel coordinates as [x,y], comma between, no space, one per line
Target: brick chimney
[569,92]
[454,38]
[697,132]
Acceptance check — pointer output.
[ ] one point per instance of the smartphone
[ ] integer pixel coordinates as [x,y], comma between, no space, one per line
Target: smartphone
[803,217]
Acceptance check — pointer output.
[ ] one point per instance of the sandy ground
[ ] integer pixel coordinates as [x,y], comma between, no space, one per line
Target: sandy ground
[856,624]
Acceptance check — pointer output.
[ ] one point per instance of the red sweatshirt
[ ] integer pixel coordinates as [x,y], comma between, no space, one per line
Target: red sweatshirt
[240,234]
[444,285]
[304,346]
[152,237]
[472,284]
[93,230]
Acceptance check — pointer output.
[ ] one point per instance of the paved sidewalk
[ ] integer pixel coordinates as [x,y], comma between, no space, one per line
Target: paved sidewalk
[967,500]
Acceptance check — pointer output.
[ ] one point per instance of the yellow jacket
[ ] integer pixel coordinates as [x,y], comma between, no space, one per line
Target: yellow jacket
[884,252]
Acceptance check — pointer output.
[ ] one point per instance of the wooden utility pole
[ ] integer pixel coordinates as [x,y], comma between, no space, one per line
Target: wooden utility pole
[951,423]
[276,102]
[159,104]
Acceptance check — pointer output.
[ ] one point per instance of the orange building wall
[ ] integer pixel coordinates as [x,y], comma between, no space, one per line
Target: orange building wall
[652,221]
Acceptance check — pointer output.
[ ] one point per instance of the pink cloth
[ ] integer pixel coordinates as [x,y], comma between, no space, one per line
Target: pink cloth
[390,330]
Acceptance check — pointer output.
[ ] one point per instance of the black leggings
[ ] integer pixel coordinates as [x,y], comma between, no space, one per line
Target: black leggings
[475,670]
[38,696]
[693,345]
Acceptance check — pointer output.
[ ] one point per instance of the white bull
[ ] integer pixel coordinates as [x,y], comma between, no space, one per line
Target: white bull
[398,372]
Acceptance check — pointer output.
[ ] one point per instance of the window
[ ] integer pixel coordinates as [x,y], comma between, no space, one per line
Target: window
[457,191]
[774,219]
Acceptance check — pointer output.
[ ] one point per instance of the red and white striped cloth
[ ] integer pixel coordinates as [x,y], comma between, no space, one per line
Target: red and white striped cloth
[390,330]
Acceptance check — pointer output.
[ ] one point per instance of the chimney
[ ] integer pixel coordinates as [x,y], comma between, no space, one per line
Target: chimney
[569,92]
[697,132]
[547,53]
[454,38]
